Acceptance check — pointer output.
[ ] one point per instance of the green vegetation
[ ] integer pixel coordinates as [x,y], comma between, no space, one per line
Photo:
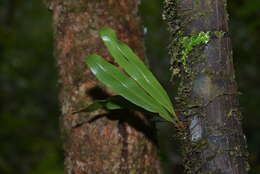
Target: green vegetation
[187,43]
[139,85]
[29,133]
[219,34]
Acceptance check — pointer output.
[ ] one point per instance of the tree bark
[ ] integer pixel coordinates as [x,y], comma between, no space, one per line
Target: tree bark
[207,101]
[120,142]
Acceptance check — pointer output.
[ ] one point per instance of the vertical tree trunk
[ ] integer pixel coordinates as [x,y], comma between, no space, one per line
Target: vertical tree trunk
[98,143]
[213,141]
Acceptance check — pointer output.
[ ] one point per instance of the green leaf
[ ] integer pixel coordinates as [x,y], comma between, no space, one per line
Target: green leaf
[112,106]
[125,86]
[135,68]
[98,104]
[111,103]
[118,102]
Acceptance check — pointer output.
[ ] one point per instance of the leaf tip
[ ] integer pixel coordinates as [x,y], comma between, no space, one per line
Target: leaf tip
[107,34]
[90,58]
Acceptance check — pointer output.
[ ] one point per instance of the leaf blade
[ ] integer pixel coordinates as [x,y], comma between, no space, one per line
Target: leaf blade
[126,58]
[124,85]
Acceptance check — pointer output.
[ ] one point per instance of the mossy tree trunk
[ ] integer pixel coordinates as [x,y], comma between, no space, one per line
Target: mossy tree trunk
[207,101]
[101,142]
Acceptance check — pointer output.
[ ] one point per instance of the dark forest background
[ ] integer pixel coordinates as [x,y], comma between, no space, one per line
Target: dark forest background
[29,115]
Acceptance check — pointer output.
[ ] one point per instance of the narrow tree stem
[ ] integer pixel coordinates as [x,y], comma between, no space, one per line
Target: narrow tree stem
[213,141]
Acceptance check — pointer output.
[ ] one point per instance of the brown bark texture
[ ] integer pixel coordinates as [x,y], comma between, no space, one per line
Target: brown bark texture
[207,100]
[102,142]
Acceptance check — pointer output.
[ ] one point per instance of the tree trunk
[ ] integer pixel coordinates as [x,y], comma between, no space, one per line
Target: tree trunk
[119,142]
[207,101]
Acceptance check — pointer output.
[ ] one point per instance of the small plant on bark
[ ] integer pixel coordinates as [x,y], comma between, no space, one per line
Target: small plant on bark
[136,83]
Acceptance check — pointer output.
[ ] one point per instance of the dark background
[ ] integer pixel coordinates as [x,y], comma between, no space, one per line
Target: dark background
[29,115]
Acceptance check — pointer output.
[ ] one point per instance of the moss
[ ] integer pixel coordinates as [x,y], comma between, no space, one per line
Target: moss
[192,61]
[182,44]
[219,34]
[187,44]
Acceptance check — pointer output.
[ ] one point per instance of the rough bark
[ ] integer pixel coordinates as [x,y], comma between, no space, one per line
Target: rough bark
[101,142]
[213,141]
